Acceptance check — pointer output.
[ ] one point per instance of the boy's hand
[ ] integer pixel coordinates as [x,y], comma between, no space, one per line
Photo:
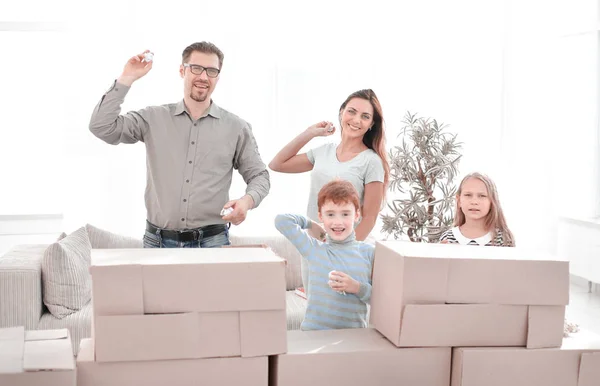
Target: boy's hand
[317,231]
[340,282]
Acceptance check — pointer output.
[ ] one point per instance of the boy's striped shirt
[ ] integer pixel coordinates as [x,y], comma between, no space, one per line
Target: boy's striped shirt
[327,309]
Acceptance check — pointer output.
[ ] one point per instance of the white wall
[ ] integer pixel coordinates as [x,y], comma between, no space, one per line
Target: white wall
[287,70]
[550,137]
[28,229]
[501,73]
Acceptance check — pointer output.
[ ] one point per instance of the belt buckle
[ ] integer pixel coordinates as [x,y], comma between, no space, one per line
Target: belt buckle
[195,234]
[180,233]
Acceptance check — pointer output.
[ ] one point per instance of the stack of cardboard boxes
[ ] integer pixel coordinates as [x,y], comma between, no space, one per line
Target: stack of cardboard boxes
[427,295]
[452,315]
[184,317]
[443,315]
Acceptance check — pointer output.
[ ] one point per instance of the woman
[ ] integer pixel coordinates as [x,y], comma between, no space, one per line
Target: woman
[359,158]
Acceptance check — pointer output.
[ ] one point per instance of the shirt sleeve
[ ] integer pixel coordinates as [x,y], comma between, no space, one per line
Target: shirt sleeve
[365,289]
[293,227]
[445,235]
[311,156]
[374,172]
[248,162]
[317,152]
[107,124]
[364,292]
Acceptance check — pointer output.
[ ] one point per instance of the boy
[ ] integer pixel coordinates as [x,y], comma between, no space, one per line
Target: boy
[339,281]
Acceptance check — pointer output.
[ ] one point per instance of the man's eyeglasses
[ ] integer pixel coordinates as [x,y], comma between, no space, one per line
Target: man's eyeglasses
[198,70]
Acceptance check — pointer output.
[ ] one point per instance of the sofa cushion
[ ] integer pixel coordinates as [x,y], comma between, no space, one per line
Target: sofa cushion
[78,323]
[101,239]
[282,248]
[295,308]
[66,279]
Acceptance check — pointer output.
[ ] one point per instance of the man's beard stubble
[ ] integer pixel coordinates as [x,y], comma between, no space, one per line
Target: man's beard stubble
[198,98]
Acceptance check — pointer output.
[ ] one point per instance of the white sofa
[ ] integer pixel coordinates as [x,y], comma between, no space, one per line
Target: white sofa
[21,286]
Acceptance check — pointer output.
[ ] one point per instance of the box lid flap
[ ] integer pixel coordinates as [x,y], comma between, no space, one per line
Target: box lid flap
[335,341]
[48,354]
[175,256]
[33,335]
[455,251]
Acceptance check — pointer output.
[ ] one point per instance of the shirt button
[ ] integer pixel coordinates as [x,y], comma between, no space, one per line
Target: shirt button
[116,89]
[184,200]
[195,124]
[190,161]
[193,143]
[188,181]
[182,219]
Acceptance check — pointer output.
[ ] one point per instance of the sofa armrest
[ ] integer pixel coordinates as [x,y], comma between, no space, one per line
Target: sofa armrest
[21,286]
[284,249]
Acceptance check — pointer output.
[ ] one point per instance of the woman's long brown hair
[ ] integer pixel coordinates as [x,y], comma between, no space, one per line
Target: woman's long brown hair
[374,139]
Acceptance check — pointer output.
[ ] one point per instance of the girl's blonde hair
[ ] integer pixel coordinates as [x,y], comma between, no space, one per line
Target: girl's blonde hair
[495,219]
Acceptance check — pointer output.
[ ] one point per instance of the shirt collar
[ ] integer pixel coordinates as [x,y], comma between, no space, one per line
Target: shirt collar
[213,110]
[348,240]
[179,108]
[483,240]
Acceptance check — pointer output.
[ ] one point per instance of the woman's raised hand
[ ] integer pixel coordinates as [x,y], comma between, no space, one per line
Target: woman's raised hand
[322,129]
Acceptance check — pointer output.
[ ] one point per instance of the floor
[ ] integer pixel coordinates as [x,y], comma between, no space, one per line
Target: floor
[584,307]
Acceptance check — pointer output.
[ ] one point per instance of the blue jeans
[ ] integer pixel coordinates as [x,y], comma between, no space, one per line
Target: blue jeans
[152,240]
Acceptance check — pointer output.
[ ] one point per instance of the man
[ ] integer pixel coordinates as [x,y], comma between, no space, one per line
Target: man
[191,149]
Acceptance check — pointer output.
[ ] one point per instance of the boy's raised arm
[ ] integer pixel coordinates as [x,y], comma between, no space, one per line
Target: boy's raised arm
[294,227]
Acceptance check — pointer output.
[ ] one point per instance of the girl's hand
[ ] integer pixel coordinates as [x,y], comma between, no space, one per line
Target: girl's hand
[340,282]
[321,129]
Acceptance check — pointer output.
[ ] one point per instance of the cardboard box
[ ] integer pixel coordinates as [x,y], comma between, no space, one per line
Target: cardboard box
[451,325]
[246,246]
[576,363]
[358,357]
[40,357]
[185,372]
[408,278]
[171,280]
[194,303]
[189,335]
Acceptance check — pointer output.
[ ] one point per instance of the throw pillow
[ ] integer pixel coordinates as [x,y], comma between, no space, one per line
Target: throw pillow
[101,239]
[65,274]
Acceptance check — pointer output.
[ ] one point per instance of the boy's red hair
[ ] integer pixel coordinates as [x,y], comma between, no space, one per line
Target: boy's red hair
[339,192]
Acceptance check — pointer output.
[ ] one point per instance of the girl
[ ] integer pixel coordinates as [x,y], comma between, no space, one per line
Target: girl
[479,218]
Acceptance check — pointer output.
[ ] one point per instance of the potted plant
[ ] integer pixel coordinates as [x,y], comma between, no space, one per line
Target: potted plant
[422,173]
